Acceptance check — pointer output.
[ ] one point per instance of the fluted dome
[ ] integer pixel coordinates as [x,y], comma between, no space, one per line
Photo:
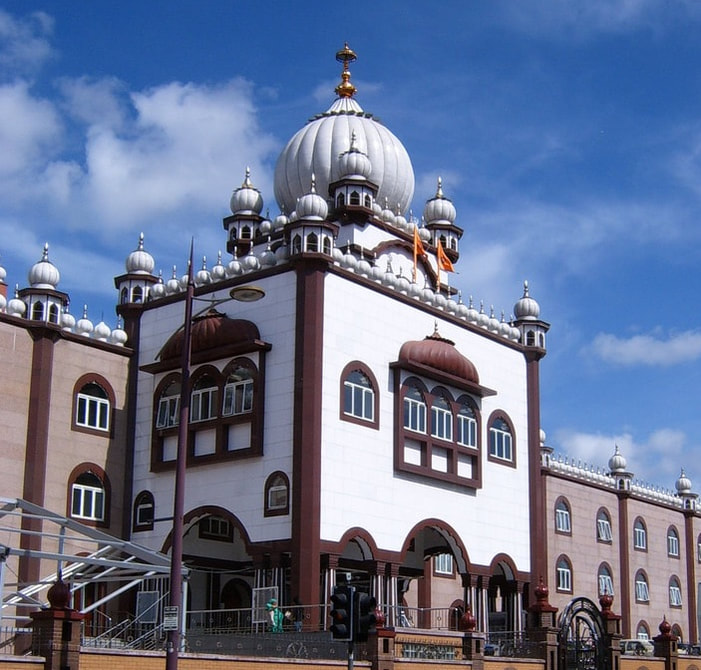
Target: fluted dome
[140,261]
[317,146]
[246,199]
[210,331]
[439,353]
[439,209]
[311,205]
[526,308]
[683,484]
[617,463]
[44,274]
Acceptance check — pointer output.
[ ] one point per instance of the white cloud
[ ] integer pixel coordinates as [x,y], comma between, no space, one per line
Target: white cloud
[648,349]
[23,42]
[30,128]
[94,102]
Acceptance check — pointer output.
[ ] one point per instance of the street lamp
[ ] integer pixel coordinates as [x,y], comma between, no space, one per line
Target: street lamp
[242,294]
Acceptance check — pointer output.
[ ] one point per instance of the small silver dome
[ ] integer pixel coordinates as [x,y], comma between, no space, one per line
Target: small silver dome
[140,261]
[617,463]
[246,199]
[526,308]
[439,209]
[44,273]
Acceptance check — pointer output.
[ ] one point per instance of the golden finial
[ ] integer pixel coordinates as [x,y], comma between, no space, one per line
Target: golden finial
[346,55]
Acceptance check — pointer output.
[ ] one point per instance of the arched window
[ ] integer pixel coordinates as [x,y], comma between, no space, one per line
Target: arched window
[500,440]
[124,296]
[238,392]
[277,494]
[53,314]
[354,198]
[467,425]
[38,311]
[605,580]
[677,632]
[88,497]
[92,407]
[312,242]
[297,244]
[672,542]
[326,244]
[603,526]
[642,631]
[441,419]
[414,410]
[564,574]
[203,401]
[562,517]
[642,591]
[144,507]
[169,406]
[639,535]
[675,593]
[368,201]
[359,396]
[340,200]
[246,233]
[137,295]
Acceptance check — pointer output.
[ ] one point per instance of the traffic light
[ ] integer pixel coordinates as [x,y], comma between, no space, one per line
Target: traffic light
[366,619]
[342,612]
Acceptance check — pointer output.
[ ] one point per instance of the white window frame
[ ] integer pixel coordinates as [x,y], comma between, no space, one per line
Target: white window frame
[642,591]
[443,564]
[605,584]
[275,491]
[562,518]
[603,529]
[359,399]
[564,577]
[441,423]
[639,536]
[500,443]
[168,411]
[672,543]
[675,595]
[215,528]
[467,430]
[88,502]
[238,398]
[414,415]
[144,514]
[92,412]
[202,404]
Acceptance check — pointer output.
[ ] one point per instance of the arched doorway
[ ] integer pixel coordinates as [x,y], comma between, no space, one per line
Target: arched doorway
[582,637]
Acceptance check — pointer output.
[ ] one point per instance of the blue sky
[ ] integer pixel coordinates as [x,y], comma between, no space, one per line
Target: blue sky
[567,134]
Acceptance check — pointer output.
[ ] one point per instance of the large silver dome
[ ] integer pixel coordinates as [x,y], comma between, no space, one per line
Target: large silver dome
[317,147]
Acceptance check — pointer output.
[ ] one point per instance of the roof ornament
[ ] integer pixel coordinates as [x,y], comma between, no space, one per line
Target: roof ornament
[345,89]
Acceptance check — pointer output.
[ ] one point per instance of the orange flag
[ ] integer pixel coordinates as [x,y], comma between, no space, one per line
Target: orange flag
[418,248]
[443,260]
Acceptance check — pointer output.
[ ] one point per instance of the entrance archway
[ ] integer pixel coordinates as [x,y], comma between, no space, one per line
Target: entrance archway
[582,637]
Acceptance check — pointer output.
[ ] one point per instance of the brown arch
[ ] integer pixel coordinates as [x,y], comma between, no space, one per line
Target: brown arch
[357,533]
[446,530]
[210,510]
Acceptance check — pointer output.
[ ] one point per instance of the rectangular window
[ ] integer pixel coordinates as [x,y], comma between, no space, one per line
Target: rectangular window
[203,404]
[358,401]
[673,545]
[675,596]
[414,415]
[500,444]
[144,514]
[467,431]
[562,520]
[641,591]
[92,412]
[443,564]
[168,412]
[441,423]
[603,527]
[564,579]
[238,398]
[640,538]
[216,528]
[605,585]
[277,497]
[88,502]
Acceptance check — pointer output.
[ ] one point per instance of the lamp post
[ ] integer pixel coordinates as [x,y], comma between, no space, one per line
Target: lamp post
[243,294]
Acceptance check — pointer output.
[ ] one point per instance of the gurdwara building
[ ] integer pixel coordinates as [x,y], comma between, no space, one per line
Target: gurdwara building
[359,422]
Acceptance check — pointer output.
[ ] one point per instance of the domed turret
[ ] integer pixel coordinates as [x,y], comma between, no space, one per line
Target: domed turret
[312,206]
[527,320]
[140,261]
[246,199]
[317,146]
[617,463]
[526,308]
[354,163]
[439,210]
[683,483]
[44,274]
